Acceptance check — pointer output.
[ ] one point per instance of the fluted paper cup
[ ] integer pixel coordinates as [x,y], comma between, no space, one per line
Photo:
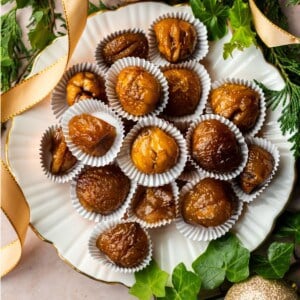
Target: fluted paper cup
[46,157]
[103,259]
[101,111]
[111,80]
[273,150]
[152,180]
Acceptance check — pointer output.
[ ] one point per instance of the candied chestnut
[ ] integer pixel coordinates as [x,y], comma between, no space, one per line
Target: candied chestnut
[92,135]
[210,202]
[62,158]
[184,92]
[176,39]
[238,103]
[138,91]
[258,169]
[85,85]
[153,204]
[154,151]
[215,147]
[102,189]
[125,244]
[124,45]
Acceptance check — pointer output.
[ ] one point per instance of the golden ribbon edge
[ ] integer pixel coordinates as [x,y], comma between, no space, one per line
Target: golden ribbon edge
[19,99]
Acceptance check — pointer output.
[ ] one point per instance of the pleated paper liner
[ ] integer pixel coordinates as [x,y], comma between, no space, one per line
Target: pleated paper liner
[103,259]
[205,83]
[111,80]
[201,48]
[59,95]
[272,149]
[100,110]
[240,139]
[46,157]
[189,173]
[100,60]
[262,102]
[161,223]
[152,180]
[202,233]
[94,216]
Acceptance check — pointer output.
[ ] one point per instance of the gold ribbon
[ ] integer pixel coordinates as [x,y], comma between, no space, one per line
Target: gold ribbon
[18,99]
[270,34]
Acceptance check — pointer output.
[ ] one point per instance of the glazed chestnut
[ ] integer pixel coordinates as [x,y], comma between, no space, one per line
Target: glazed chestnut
[138,91]
[102,189]
[85,85]
[210,202]
[184,92]
[154,204]
[238,103]
[176,39]
[154,151]
[126,244]
[124,45]
[92,135]
[62,158]
[215,147]
[258,169]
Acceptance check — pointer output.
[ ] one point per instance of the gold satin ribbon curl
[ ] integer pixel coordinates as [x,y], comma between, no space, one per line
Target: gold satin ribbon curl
[34,89]
[18,99]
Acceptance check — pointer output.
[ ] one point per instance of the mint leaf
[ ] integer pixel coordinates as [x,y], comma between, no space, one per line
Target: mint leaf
[224,257]
[149,281]
[186,285]
[276,264]
[289,226]
[240,21]
[214,15]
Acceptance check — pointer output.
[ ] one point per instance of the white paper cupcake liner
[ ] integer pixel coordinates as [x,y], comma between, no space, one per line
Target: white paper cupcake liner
[59,95]
[262,102]
[202,233]
[272,149]
[101,111]
[46,157]
[103,259]
[111,80]
[98,53]
[205,83]
[94,216]
[240,139]
[189,175]
[135,218]
[127,166]
[201,48]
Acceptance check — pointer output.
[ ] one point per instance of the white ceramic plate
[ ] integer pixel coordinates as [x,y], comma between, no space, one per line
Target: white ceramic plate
[52,214]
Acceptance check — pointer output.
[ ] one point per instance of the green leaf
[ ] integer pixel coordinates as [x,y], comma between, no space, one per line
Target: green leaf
[186,285]
[94,8]
[150,281]
[23,3]
[240,21]
[276,264]
[224,257]
[289,226]
[214,15]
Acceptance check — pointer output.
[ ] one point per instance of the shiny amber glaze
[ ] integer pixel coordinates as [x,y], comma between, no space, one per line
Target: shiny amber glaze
[184,92]
[125,244]
[138,91]
[92,135]
[124,45]
[153,204]
[210,203]
[258,169]
[154,151]
[85,85]
[215,147]
[176,39]
[236,102]
[103,189]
